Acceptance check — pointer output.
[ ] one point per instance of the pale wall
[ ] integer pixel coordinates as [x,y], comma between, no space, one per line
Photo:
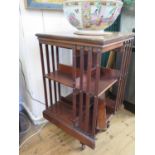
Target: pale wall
[30,23]
[128,19]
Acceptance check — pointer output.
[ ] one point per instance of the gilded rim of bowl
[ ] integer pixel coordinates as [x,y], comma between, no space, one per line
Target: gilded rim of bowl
[103,2]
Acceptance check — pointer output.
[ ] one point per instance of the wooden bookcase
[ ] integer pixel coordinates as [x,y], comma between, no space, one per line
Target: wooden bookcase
[87,110]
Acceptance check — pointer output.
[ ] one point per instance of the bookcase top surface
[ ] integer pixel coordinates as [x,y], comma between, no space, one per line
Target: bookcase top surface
[71,38]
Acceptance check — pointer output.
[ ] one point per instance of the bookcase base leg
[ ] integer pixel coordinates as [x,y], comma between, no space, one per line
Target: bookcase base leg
[108,124]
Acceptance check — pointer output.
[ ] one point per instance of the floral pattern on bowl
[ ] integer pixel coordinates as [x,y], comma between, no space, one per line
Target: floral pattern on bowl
[92,14]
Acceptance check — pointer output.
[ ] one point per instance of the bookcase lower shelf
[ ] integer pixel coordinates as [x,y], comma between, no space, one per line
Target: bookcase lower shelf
[64,122]
[61,115]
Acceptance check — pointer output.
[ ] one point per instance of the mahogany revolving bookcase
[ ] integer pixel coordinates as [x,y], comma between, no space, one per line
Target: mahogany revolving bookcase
[87,110]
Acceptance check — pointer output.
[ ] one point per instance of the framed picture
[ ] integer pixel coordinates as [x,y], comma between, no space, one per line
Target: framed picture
[45,4]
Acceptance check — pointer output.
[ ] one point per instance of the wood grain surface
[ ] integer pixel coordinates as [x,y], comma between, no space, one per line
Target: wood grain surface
[119,139]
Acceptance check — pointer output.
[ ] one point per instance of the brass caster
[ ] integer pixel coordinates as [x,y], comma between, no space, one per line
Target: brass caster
[83,146]
[102,130]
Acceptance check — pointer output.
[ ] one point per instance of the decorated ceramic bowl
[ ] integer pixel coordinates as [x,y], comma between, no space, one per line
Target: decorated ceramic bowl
[90,15]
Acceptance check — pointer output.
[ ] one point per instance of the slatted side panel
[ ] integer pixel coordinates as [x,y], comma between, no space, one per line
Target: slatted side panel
[120,78]
[129,52]
[126,55]
[49,55]
[123,71]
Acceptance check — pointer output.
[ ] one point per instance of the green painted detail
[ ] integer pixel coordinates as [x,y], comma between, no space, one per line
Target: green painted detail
[115,27]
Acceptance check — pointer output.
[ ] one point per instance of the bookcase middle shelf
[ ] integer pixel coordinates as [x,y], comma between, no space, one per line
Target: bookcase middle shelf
[64,75]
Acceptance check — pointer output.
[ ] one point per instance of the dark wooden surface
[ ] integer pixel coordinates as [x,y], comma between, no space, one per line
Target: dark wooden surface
[71,38]
[87,109]
[61,116]
[107,78]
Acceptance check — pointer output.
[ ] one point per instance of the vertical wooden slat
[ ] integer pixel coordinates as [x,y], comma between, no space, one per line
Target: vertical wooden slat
[128,56]
[43,74]
[81,85]
[48,70]
[98,62]
[57,57]
[74,83]
[94,115]
[124,70]
[53,64]
[89,61]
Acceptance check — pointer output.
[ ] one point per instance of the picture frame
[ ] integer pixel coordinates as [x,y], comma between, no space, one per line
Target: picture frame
[45,4]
